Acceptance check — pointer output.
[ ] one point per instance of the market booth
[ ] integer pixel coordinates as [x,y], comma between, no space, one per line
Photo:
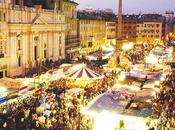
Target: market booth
[141,71]
[121,108]
[8,87]
[105,53]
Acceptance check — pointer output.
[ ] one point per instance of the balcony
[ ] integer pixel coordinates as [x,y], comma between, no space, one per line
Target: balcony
[72,42]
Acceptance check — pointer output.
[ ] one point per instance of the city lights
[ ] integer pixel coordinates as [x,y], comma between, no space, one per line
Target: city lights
[70,67]
[151,60]
[105,121]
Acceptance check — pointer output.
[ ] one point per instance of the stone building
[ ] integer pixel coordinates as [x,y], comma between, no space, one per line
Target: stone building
[96,28]
[129,27]
[149,28]
[28,36]
[72,41]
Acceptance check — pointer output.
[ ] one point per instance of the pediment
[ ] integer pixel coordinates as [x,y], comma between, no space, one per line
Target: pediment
[38,20]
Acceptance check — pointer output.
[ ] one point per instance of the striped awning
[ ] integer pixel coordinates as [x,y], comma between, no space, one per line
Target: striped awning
[82,72]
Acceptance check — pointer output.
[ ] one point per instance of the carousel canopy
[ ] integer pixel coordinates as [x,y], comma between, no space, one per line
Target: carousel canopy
[82,72]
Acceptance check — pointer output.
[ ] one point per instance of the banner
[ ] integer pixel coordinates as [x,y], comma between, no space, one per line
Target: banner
[3,99]
[23,90]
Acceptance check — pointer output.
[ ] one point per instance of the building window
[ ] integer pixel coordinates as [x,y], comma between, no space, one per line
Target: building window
[45,54]
[60,40]
[36,39]
[0,16]
[19,44]
[4,16]
[157,36]
[1,48]
[19,61]
[1,74]
[5,47]
[35,52]
[45,46]
[60,52]
[17,2]
[157,25]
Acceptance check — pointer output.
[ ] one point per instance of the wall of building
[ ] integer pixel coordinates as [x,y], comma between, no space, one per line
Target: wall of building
[110,32]
[72,37]
[29,35]
[92,32]
[129,27]
[149,30]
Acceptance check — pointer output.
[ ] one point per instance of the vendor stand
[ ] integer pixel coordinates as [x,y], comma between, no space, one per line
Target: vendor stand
[117,109]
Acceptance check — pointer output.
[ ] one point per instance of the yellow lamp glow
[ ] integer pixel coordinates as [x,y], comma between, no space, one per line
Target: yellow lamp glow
[122,77]
[105,121]
[128,46]
[151,60]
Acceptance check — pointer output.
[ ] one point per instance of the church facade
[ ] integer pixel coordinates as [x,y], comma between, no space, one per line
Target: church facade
[28,36]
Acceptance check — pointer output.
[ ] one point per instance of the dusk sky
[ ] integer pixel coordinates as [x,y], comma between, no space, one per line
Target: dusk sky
[131,6]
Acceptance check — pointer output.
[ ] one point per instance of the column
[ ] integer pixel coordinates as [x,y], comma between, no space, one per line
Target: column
[63,45]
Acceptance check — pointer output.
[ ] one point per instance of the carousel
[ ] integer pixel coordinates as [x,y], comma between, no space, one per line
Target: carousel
[80,75]
[77,76]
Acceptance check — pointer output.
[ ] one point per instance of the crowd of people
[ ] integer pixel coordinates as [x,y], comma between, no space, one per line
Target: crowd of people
[137,54]
[12,114]
[164,105]
[52,108]
[48,111]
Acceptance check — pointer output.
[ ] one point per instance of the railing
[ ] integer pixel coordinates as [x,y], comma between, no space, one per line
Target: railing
[72,39]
